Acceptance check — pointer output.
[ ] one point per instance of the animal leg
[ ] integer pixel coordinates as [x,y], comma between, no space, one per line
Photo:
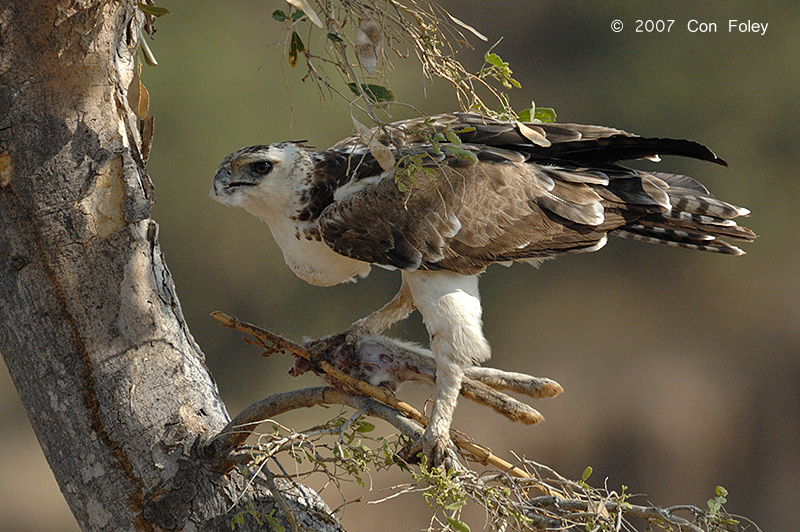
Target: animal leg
[400,306]
[450,307]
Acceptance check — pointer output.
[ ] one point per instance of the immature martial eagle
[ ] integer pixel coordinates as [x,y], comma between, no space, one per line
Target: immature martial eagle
[506,192]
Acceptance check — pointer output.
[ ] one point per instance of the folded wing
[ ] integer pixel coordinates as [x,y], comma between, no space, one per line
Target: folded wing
[527,192]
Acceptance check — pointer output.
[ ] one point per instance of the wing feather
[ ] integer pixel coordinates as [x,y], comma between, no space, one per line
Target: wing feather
[533,191]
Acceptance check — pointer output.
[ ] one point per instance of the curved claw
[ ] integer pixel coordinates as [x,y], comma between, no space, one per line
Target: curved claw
[353,333]
[440,451]
[437,452]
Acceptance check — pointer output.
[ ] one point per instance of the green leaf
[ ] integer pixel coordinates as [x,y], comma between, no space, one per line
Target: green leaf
[147,53]
[461,153]
[538,114]
[455,505]
[298,14]
[715,504]
[453,137]
[365,426]
[545,114]
[272,521]
[155,11]
[296,46]
[280,16]
[494,60]
[458,526]
[376,93]
[334,37]
[586,473]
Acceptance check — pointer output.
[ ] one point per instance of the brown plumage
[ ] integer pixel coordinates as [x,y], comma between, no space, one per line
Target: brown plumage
[520,199]
[449,207]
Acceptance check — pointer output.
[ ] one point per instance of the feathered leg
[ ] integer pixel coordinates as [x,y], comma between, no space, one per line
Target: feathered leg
[451,309]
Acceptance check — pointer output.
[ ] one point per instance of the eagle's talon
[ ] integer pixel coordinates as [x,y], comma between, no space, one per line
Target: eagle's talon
[352,335]
[440,451]
[435,450]
[319,349]
[349,343]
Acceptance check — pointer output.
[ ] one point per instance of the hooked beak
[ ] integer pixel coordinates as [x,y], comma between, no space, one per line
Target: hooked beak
[224,184]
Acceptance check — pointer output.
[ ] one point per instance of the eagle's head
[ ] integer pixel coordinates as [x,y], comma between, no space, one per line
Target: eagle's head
[264,180]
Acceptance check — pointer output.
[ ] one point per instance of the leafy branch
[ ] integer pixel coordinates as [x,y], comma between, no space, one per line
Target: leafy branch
[374,33]
[347,449]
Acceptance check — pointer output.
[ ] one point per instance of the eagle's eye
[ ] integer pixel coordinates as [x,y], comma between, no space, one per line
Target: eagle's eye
[261,167]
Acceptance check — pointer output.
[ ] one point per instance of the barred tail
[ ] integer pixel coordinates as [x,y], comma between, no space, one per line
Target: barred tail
[695,220]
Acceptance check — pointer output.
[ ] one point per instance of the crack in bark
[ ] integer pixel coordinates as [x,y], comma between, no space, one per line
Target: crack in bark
[135,500]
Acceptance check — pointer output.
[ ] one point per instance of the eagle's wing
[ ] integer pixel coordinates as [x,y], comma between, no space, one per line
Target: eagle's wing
[576,143]
[530,192]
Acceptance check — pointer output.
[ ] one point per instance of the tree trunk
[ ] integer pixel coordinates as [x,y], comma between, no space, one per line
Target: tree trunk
[92,332]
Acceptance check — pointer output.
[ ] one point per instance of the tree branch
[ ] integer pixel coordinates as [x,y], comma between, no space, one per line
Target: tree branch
[218,452]
[331,348]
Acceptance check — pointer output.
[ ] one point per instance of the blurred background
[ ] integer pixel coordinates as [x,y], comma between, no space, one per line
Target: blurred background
[681,369]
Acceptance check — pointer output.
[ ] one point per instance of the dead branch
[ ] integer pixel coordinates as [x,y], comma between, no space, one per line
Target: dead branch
[314,358]
[564,505]
[347,366]
[218,452]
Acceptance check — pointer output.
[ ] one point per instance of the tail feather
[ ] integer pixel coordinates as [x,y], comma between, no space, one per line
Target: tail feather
[708,224]
[645,234]
[694,220]
[705,205]
[682,181]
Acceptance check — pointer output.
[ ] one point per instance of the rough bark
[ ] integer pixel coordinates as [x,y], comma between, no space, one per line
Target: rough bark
[91,329]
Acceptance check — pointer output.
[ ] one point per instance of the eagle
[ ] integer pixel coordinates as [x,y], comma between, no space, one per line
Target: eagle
[460,192]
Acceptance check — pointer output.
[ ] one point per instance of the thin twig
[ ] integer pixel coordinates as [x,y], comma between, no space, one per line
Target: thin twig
[279,498]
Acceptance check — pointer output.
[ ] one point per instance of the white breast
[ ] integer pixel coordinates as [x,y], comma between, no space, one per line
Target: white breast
[313,261]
